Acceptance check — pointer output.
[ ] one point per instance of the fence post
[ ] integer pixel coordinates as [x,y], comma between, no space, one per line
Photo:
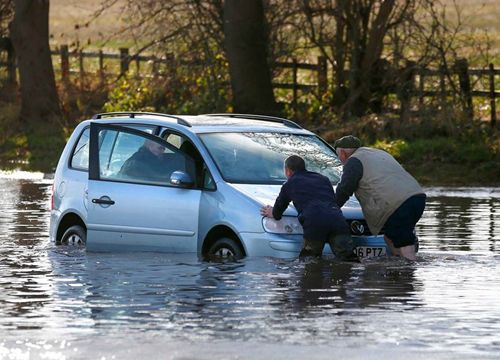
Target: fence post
[442,85]
[462,67]
[124,61]
[406,90]
[80,65]
[11,65]
[64,62]
[322,75]
[294,85]
[154,67]
[101,66]
[170,63]
[492,96]
[421,86]
[137,67]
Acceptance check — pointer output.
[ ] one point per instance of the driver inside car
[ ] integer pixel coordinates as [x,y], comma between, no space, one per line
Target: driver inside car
[151,163]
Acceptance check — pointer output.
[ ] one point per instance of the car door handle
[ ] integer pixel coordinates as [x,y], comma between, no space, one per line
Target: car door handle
[104,201]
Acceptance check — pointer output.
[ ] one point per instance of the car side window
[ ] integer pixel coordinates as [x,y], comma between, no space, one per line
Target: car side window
[202,178]
[174,139]
[208,181]
[80,156]
[133,158]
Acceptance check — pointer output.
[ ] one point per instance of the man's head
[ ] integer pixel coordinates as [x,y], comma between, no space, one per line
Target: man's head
[154,147]
[345,146]
[293,164]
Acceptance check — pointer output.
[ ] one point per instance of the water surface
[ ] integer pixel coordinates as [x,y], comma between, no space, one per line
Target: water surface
[59,302]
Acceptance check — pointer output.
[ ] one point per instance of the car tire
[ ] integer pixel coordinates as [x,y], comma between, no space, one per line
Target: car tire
[225,248]
[74,236]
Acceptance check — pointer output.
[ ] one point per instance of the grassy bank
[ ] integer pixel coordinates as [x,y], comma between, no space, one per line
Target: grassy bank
[443,161]
[436,150]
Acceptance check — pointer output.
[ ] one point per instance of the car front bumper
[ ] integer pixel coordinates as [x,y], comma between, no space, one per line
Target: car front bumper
[289,246]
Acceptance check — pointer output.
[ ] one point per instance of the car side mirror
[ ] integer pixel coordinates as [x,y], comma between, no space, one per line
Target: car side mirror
[180,178]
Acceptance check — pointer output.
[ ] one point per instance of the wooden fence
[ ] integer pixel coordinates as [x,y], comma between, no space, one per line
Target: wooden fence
[414,82]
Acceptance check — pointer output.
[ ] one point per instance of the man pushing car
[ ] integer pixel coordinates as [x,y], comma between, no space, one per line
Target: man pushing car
[313,197]
[389,196]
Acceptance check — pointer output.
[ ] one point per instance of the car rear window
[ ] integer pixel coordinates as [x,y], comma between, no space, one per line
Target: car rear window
[80,155]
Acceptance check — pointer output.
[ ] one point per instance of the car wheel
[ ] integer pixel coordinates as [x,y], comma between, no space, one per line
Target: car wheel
[75,236]
[225,248]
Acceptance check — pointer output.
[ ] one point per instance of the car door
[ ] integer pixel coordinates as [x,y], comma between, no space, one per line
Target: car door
[131,203]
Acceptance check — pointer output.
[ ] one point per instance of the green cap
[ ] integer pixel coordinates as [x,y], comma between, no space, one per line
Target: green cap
[347,142]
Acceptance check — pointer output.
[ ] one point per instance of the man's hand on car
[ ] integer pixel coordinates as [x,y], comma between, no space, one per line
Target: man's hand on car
[266,211]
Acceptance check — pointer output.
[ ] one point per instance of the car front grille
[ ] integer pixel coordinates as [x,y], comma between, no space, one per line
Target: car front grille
[359,227]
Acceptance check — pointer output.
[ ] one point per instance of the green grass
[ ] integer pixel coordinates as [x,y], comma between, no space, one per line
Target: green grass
[13,144]
[448,161]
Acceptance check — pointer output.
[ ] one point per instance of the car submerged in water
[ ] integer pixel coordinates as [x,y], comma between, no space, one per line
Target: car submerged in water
[133,181]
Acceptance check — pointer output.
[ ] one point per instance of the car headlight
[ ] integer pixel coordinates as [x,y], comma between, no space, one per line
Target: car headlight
[287,225]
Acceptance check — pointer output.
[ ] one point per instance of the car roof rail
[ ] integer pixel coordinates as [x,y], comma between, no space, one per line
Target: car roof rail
[285,122]
[133,114]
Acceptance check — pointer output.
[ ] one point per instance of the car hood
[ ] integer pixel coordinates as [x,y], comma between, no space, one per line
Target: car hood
[267,194]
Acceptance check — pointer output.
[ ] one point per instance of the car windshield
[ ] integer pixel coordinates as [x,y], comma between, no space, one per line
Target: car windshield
[257,158]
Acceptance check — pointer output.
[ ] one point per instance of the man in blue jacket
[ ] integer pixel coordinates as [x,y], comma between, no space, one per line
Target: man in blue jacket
[313,196]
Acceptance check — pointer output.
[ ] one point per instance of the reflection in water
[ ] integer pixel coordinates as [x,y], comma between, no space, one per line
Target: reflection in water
[23,257]
[337,287]
[447,300]
[461,220]
[493,214]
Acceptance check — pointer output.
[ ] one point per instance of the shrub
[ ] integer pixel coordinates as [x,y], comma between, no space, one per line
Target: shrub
[129,95]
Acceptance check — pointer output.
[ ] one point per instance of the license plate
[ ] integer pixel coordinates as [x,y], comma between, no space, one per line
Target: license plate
[370,251]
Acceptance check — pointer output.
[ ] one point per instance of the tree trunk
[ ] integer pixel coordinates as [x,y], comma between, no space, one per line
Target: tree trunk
[40,111]
[365,42]
[371,65]
[246,48]
[339,54]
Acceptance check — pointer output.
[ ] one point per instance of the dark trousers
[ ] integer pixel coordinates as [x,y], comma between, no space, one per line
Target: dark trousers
[400,226]
[341,244]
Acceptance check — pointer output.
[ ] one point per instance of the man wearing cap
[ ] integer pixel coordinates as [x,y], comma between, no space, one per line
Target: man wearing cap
[313,197]
[389,196]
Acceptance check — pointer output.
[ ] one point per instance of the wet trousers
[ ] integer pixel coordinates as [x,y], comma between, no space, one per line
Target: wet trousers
[341,244]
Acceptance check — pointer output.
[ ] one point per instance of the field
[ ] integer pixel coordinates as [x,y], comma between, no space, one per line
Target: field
[68,19]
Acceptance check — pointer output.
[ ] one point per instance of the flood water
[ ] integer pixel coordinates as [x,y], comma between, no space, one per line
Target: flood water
[57,302]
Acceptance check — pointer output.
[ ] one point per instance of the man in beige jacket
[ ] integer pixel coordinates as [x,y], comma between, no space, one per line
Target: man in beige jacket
[389,196]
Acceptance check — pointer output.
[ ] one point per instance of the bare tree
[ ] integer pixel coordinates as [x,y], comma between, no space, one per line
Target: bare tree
[40,111]
[219,35]
[351,34]
[6,13]
[365,41]
[246,49]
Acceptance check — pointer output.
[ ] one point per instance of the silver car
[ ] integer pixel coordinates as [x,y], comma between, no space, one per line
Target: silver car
[154,182]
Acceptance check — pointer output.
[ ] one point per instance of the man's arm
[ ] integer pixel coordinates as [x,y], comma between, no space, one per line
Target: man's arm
[353,171]
[280,204]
